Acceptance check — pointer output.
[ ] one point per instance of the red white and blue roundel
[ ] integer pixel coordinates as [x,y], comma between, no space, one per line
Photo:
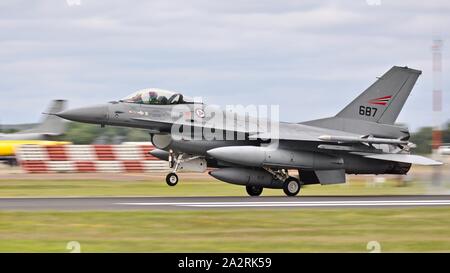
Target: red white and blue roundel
[381,101]
[200,113]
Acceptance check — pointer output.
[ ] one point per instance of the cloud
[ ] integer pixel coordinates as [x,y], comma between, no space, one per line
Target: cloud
[311,57]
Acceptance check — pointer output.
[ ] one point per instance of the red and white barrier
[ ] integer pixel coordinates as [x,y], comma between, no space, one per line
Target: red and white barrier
[89,158]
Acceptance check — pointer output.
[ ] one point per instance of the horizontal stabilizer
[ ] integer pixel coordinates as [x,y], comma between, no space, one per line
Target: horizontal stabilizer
[406,158]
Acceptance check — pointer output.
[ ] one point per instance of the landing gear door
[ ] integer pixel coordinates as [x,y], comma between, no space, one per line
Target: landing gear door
[195,165]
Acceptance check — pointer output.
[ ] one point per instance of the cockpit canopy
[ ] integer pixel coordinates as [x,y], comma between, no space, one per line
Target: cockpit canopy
[156,96]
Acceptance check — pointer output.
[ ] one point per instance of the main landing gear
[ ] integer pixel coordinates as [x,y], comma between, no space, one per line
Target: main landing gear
[291,186]
[254,190]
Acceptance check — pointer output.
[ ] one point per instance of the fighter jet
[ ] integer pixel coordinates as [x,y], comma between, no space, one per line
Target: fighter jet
[360,139]
[49,126]
[38,135]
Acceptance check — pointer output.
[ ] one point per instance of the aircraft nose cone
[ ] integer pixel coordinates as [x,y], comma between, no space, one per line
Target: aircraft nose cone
[91,114]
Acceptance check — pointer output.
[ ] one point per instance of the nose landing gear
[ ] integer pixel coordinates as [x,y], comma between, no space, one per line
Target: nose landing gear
[184,162]
[172,179]
[174,163]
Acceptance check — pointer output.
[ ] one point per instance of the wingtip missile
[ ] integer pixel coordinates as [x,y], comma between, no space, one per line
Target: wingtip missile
[365,139]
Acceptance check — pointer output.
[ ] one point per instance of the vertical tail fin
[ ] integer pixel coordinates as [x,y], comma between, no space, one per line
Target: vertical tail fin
[51,124]
[383,100]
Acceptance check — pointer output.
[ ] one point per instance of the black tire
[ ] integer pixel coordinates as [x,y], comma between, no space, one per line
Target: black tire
[172,179]
[291,186]
[254,190]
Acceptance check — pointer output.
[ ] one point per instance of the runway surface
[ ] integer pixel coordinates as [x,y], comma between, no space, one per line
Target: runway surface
[196,203]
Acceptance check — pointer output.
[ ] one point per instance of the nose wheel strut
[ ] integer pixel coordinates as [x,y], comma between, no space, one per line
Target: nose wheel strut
[175,162]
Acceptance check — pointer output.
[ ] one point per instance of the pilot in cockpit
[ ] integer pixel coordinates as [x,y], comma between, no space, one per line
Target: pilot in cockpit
[153,97]
[157,96]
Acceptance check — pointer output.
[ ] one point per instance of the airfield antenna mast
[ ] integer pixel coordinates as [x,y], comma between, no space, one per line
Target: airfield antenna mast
[436,177]
[437,93]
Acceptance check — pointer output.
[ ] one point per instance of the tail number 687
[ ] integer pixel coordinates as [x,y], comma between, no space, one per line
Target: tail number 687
[367,111]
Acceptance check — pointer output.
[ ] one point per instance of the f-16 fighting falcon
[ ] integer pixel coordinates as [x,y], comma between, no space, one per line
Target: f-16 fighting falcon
[262,153]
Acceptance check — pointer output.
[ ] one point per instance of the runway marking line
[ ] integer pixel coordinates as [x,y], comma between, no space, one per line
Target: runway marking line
[297,204]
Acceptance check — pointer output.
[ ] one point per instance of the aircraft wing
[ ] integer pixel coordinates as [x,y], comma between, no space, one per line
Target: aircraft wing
[299,132]
[405,158]
[272,130]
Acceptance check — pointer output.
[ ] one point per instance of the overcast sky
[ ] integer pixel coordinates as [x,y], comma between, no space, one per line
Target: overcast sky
[310,57]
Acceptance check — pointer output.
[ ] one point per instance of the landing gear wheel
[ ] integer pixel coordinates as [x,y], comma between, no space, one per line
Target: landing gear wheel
[291,186]
[172,179]
[254,190]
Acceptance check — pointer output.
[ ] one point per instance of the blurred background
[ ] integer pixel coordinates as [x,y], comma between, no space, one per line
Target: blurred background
[309,57]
